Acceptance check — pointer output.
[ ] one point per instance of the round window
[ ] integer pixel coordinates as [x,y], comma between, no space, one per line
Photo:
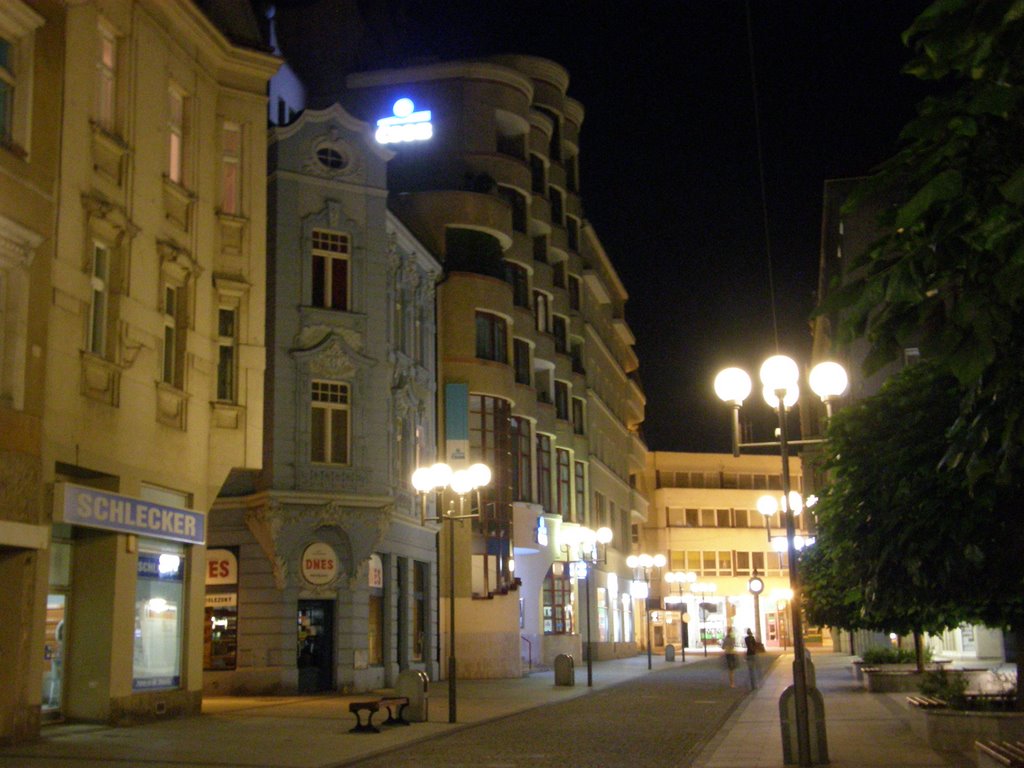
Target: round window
[331,158]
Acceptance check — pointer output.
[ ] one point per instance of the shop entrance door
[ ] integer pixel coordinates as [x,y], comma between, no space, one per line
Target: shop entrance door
[53,656]
[315,646]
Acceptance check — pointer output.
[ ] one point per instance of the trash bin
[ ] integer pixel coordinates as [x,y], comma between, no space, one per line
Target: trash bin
[413,684]
[565,670]
[670,652]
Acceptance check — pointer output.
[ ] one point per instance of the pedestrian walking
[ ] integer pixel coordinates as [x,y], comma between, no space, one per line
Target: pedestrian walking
[729,646]
[752,648]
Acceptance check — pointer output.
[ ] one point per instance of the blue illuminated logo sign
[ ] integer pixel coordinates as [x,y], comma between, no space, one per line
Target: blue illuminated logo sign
[406,124]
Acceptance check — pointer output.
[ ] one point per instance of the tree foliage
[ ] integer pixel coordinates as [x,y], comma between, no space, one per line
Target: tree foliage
[896,547]
[948,273]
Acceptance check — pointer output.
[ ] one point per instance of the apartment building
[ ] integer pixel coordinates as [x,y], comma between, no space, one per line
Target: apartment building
[154,352]
[327,572]
[704,518]
[536,365]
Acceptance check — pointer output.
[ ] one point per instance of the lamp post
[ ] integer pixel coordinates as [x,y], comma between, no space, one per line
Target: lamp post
[587,542]
[779,377]
[461,482]
[645,563]
[756,586]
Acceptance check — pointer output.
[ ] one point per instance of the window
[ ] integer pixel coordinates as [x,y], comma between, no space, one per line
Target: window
[176,116]
[419,610]
[557,206]
[544,471]
[572,232]
[559,329]
[576,353]
[18,23]
[542,312]
[676,517]
[558,273]
[580,472]
[230,168]
[572,173]
[538,175]
[329,423]
[375,625]
[490,337]
[518,277]
[227,353]
[517,202]
[513,145]
[100,284]
[106,79]
[521,361]
[330,270]
[174,336]
[558,609]
[563,484]
[522,461]
[330,158]
[540,249]
[574,293]
[598,516]
[579,425]
[7,84]
[159,615]
[561,400]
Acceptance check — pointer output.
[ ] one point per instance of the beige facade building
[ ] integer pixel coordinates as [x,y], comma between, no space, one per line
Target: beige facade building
[535,356]
[30,73]
[704,519]
[135,384]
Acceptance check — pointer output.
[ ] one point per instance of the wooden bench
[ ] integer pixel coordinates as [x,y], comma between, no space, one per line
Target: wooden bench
[394,705]
[1000,754]
[926,702]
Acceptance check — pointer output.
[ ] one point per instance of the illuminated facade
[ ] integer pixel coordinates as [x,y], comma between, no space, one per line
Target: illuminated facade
[148,320]
[328,574]
[536,359]
[704,519]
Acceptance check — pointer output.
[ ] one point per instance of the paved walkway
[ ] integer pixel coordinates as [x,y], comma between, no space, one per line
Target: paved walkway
[864,730]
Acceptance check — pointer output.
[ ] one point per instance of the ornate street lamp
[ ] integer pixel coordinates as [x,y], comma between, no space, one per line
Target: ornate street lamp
[588,544]
[780,380]
[461,482]
[645,563]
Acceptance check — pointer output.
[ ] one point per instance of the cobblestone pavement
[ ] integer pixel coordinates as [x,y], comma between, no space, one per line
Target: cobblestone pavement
[659,720]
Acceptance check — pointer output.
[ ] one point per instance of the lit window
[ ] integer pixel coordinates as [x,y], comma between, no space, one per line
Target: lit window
[231,169]
[175,135]
[329,425]
[558,603]
[330,269]
[106,78]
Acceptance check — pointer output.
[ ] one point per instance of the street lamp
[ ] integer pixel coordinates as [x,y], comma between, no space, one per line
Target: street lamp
[461,482]
[645,563]
[587,542]
[779,377]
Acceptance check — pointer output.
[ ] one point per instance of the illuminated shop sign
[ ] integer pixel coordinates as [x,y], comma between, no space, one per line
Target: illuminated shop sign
[78,505]
[406,124]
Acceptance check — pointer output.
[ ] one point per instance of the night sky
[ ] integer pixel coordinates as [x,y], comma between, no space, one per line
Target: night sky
[670,176]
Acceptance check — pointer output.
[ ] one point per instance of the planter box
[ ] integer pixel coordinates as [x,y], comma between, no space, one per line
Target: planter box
[895,678]
[953,731]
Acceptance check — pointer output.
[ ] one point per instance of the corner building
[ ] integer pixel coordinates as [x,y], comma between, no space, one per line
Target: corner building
[536,365]
[327,570]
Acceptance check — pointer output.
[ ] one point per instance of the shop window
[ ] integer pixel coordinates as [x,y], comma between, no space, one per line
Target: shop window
[558,604]
[419,610]
[159,616]
[375,627]
[220,629]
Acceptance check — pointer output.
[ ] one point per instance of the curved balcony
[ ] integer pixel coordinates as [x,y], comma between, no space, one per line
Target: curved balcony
[429,214]
[504,169]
